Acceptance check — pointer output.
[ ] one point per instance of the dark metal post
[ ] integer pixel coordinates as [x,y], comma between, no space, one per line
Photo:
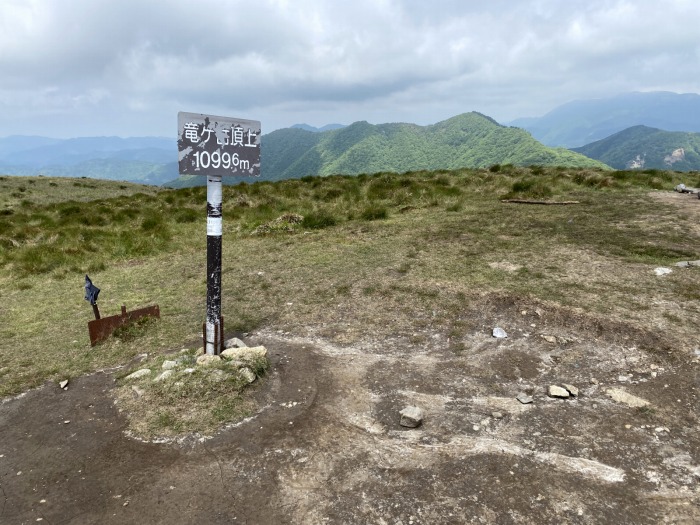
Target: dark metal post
[212,341]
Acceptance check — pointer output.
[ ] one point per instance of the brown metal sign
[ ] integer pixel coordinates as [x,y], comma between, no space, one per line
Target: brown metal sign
[101,329]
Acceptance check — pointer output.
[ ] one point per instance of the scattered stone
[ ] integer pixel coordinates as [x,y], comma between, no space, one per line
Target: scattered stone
[571,389]
[188,370]
[199,351]
[64,384]
[164,375]
[524,398]
[499,333]
[208,360]
[623,379]
[621,396]
[549,338]
[234,342]
[169,365]
[411,417]
[662,271]
[593,381]
[219,375]
[143,372]
[476,428]
[497,415]
[247,374]
[557,391]
[138,391]
[245,353]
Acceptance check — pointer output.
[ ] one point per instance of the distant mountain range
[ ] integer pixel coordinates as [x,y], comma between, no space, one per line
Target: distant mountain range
[634,130]
[469,140]
[584,121]
[642,147]
[148,160]
[327,127]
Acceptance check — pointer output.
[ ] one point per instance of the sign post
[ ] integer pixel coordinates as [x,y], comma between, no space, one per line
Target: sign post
[216,147]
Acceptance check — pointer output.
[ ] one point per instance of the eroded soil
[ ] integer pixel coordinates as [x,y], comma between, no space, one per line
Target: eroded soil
[326,445]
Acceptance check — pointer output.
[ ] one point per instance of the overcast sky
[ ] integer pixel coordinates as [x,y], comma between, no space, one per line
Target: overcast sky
[126,67]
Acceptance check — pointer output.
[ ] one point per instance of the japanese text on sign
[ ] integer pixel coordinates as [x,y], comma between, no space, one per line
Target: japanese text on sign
[210,145]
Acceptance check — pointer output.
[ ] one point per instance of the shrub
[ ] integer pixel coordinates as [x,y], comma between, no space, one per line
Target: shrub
[318,220]
[374,212]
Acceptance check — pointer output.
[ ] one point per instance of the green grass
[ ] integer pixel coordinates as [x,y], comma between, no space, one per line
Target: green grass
[381,254]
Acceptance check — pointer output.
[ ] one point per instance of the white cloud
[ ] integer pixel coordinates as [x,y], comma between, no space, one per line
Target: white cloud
[88,67]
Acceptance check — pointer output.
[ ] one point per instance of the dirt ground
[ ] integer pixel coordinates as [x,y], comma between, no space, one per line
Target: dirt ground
[326,445]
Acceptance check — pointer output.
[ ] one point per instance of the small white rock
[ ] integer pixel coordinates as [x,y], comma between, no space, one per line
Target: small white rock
[139,374]
[169,365]
[208,360]
[662,271]
[524,398]
[245,353]
[571,388]
[557,391]
[63,384]
[499,333]
[138,391]
[628,399]
[163,376]
[247,374]
[234,342]
[411,417]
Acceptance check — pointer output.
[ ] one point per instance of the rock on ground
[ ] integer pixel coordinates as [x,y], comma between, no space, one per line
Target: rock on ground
[234,342]
[245,353]
[208,360]
[139,374]
[619,395]
[557,391]
[411,417]
[247,374]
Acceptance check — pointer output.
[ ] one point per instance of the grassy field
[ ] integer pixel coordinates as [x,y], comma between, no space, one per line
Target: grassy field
[338,257]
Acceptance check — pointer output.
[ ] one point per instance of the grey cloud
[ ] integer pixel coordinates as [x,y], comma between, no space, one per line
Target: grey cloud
[411,59]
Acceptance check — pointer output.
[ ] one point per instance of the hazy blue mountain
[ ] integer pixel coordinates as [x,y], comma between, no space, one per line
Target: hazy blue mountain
[148,160]
[584,121]
[327,127]
[642,147]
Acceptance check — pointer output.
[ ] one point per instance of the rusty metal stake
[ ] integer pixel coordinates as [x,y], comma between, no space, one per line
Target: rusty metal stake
[96,311]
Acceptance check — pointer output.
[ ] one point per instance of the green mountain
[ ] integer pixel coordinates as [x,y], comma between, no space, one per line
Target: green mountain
[643,147]
[583,121]
[470,140]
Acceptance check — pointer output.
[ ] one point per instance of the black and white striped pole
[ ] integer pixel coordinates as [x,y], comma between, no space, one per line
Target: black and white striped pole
[216,147]
[214,325]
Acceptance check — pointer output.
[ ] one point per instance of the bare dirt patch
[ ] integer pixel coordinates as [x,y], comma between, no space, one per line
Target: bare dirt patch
[325,445]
